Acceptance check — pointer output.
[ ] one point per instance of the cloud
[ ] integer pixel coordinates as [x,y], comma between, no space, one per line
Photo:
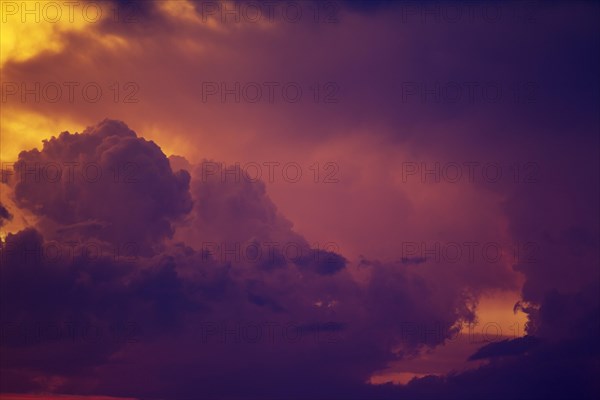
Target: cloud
[103,183]
[505,348]
[4,215]
[332,329]
[179,246]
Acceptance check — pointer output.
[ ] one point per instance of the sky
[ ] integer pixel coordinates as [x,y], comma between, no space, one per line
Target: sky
[299,200]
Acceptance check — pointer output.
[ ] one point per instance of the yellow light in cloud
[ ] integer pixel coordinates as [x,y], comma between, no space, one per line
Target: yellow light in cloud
[219,16]
[496,321]
[180,9]
[184,11]
[30,28]
[495,316]
[21,130]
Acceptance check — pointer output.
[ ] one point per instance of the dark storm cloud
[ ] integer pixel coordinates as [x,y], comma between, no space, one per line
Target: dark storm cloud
[231,210]
[551,368]
[59,303]
[103,183]
[505,348]
[65,312]
[4,215]
[171,295]
[323,262]
[560,295]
